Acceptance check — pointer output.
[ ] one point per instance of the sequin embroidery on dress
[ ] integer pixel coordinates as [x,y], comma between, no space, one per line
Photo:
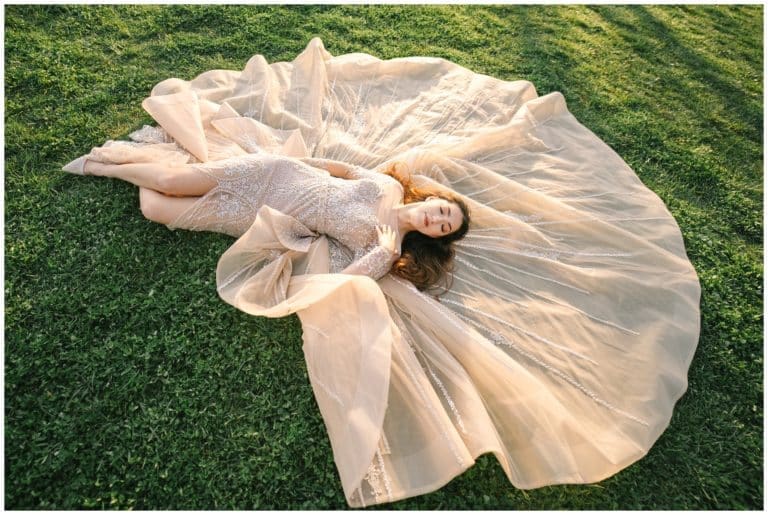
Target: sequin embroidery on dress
[342,209]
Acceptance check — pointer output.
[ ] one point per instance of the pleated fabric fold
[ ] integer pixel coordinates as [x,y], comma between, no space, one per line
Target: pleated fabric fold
[347,336]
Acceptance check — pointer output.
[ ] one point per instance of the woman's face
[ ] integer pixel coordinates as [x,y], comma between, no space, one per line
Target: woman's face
[437,217]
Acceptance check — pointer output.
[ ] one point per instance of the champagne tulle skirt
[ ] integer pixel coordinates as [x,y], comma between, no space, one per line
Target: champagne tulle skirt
[566,337]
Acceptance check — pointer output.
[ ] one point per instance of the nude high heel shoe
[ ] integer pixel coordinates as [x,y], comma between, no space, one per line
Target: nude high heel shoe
[77,166]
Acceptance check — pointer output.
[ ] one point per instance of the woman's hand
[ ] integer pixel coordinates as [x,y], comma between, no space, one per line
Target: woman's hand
[378,261]
[387,239]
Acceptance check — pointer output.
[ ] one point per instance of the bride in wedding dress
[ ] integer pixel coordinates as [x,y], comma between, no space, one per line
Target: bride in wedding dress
[550,321]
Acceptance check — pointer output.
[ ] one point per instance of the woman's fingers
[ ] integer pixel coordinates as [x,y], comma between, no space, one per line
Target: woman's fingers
[387,237]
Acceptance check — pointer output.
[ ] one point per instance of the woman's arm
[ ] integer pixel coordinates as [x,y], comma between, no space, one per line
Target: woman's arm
[378,261]
[335,168]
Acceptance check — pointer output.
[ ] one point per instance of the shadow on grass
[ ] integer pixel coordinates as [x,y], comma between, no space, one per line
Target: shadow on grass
[706,181]
[708,73]
[529,32]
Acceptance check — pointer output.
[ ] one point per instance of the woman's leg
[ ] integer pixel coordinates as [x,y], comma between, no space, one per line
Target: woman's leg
[161,208]
[174,180]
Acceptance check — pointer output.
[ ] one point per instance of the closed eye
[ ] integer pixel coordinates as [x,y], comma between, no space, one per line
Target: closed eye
[441,210]
[442,227]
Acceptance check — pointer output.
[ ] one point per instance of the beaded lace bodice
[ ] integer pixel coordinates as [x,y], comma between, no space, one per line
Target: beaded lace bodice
[342,209]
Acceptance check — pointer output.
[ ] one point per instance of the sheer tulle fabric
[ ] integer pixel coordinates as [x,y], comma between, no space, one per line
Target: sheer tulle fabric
[566,337]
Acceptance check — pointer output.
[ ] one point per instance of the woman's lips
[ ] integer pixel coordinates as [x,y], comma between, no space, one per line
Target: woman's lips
[426,220]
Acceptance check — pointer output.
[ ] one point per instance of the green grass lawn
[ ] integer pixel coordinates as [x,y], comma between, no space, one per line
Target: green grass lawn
[130,385]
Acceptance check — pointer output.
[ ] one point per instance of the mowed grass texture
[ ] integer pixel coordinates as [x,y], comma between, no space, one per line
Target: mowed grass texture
[130,385]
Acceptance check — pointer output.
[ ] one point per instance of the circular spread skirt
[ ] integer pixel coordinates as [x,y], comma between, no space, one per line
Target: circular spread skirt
[573,315]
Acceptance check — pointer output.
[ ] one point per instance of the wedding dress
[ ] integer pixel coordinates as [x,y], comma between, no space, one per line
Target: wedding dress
[565,339]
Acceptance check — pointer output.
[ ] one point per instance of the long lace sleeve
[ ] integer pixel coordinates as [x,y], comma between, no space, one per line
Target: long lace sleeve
[335,168]
[359,172]
[347,170]
[375,263]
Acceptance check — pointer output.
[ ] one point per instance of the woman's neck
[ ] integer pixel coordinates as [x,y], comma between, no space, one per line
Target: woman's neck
[404,211]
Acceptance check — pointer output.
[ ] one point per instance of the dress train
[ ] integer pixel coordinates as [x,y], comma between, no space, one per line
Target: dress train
[573,316]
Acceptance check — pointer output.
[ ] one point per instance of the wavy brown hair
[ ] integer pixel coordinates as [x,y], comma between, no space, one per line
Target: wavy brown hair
[425,261]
